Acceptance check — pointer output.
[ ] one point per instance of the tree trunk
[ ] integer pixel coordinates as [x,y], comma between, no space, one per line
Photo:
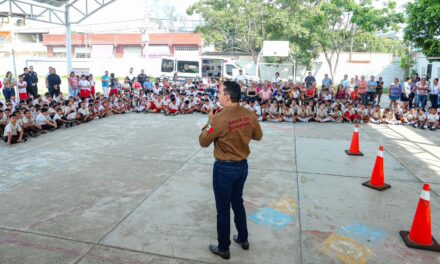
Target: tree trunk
[335,68]
[329,62]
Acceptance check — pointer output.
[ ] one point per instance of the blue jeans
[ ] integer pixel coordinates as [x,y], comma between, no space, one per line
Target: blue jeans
[421,101]
[364,97]
[228,183]
[8,92]
[73,92]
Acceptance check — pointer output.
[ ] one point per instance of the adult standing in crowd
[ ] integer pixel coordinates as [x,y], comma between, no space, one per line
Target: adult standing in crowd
[379,89]
[47,75]
[422,88]
[34,78]
[362,90]
[240,77]
[345,83]
[415,79]
[105,82]
[406,91]
[28,79]
[130,77]
[231,130]
[434,91]
[276,79]
[142,77]
[327,82]
[9,84]
[73,84]
[309,80]
[54,82]
[371,90]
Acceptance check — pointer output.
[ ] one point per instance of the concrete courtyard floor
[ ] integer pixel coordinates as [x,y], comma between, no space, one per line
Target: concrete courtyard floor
[138,189]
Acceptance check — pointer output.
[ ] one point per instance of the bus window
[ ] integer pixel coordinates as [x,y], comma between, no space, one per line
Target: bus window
[188,66]
[167,65]
[229,69]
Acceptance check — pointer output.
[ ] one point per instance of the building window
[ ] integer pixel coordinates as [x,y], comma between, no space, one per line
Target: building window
[59,52]
[186,48]
[82,52]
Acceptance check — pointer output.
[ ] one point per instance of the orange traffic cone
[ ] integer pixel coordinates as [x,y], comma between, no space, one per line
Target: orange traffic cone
[377,177]
[420,235]
[354,147]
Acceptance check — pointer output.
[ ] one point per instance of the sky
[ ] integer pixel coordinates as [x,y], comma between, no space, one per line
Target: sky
[125,16]
[128,15]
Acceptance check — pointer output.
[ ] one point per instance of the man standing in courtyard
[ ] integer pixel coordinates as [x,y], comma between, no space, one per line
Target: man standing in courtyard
[231,130]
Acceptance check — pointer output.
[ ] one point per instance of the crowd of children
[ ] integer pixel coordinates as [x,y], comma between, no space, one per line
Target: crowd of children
[352,101]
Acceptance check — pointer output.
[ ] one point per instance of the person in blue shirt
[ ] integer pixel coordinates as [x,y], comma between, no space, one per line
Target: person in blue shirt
[105,81]
[345,82]
[327,82]
[148,85]
[371,90]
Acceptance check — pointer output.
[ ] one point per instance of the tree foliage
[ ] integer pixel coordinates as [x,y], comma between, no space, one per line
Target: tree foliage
[336,23]
[238,21]
[424,26]
[311,26]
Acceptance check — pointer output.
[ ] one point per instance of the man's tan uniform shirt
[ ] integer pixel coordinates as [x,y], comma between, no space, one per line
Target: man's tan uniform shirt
[231,130]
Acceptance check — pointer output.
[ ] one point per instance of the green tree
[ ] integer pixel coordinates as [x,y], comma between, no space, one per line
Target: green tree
[336,23]
[239,23]
[245,24]
[424,26]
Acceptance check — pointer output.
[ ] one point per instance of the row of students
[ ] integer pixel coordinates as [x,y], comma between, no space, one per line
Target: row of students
[26,120]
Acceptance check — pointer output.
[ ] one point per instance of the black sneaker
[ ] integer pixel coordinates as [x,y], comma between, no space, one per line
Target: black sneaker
[244,245]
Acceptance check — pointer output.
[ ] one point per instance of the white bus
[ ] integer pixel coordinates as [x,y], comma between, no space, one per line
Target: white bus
[201,68]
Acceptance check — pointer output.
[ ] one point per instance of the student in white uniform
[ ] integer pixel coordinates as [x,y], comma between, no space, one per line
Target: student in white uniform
[289,114]
[409,118]
[432,119]
[420,119]
[13,132]
[322,115]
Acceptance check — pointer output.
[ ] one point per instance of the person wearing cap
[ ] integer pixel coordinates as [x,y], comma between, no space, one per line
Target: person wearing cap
[231,130]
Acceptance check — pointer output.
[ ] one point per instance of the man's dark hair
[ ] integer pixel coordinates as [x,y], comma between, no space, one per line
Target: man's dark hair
[233,89]
[44,110]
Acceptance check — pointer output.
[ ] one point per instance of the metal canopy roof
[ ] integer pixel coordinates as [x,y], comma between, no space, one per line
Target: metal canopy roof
[57,3]
[54,11]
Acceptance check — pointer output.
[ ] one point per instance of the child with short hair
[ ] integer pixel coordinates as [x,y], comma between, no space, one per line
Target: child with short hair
[420,119]
[289,113]
[22,84]
[389,117]
[336,115]
[44,121]
[350,114]
[432,119]
[276,111]
[304,114]
[409,117]
[322,114]
[13,132]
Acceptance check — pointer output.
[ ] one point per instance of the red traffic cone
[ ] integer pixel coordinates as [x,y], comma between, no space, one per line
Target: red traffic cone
[354,147]
[377,177]
[420,235]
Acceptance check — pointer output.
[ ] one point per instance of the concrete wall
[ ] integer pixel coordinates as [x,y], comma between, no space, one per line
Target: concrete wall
[421,66]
